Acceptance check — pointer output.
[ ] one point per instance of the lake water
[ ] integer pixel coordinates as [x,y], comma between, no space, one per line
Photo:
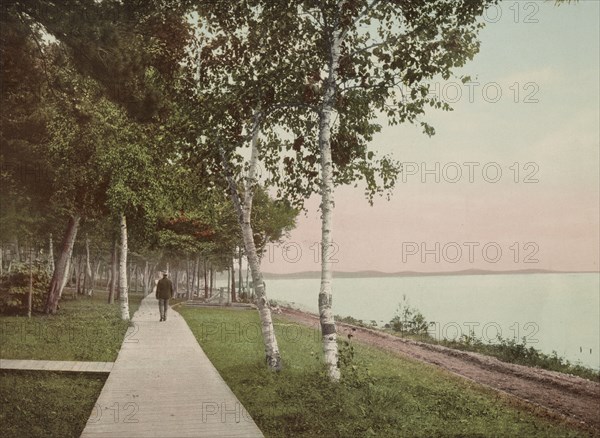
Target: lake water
[555,312]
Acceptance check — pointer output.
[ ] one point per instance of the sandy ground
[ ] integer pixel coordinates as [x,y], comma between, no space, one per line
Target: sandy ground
[568,397]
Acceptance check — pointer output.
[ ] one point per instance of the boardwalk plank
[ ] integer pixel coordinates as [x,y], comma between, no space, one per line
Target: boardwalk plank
[55,365]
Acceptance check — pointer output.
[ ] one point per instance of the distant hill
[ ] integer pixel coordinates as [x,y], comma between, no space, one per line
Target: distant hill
[367,274]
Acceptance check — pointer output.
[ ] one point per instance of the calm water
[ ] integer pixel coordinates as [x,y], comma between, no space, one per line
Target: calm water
[555,312]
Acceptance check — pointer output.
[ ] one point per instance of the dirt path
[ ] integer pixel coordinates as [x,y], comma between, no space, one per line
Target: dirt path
[571,398]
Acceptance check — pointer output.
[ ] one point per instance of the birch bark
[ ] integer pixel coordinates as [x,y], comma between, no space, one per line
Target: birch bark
[123,289]
[61,269]
[244,210]
[328,329]
[50,254]
[88,284]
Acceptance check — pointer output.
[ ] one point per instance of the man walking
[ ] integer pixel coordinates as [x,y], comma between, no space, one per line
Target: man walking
[164,291]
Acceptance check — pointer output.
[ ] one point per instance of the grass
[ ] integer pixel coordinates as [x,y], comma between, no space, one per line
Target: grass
[381,394]
[47,404]
[85,329]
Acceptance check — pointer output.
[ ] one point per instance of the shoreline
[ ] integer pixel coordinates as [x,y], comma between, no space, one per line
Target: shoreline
[560,395]
[315,275]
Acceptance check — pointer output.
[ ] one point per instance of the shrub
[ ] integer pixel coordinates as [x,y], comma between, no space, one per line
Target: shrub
[14,288]
[409,320]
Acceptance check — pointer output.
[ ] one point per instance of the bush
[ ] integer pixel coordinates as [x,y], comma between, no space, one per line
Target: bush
[513,351]
[14,288]
[409,320]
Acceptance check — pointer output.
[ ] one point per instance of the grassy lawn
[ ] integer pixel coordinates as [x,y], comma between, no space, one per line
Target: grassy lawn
[86,329]
[44,404]
[380,395]
[47,404]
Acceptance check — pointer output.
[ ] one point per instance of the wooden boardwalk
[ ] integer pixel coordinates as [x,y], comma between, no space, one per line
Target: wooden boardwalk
[56,365]
[163,385]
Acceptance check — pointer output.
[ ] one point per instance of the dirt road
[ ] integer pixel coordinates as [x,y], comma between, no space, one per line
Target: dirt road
[571,398]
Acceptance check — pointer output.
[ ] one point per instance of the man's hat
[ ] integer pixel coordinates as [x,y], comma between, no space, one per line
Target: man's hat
[165,273]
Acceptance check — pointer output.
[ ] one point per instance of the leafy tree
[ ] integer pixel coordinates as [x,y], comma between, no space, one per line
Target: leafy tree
[121,52]
[324,71]
[374,57]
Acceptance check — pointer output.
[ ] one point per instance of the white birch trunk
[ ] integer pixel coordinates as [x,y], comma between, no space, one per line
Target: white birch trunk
[328,329]
[61,270]
[272,355]
[66,277]
[123,292]
[145,276]
[50,255]
[87,282]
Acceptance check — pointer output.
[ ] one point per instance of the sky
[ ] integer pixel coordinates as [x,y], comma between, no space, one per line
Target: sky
[511,179]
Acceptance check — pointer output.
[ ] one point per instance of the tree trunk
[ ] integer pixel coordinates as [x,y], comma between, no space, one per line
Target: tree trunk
[17,249]
[188,277]
[233,297]
[30,296]
[145,276]
[240,278]
[50,254]
[194,279]
[88,282]
[108,276]
[198,275]
[328,329]
[78,276]
[212,272]
[96,273]
[228,289]
[67,276]
[123,292]
[114,258]
[129,275]
[61,268]
[272,355]
[205,280]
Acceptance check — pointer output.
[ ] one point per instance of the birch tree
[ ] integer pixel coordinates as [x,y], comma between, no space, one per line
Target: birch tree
[88,285]
[375,58]
[123,288]
[244,211]
[61,270]
[325,70]
[235,85]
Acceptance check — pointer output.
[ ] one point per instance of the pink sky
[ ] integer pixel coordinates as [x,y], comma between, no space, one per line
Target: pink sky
[559,230]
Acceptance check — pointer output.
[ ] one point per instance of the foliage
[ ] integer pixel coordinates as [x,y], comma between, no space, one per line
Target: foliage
[88,110]
[117,43]
[353,374]
[409,320]
[513,351]
[389,55]
[14,288]
[354,321]
[25,183]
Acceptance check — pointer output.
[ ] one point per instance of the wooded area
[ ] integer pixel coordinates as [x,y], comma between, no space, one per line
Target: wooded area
[135,131]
